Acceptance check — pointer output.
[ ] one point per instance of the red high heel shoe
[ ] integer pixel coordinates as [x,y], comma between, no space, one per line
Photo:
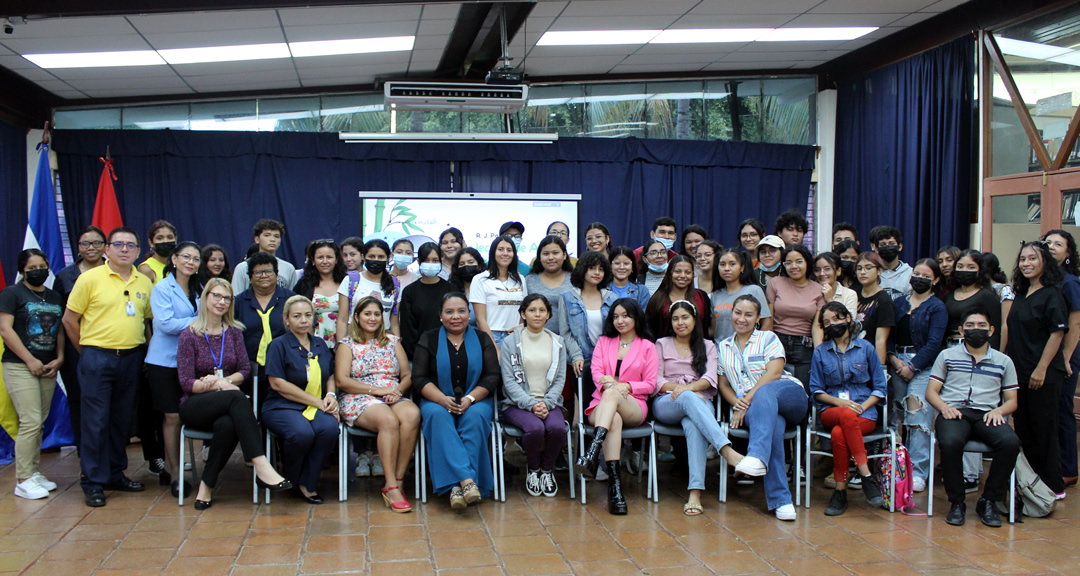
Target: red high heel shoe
[398,507]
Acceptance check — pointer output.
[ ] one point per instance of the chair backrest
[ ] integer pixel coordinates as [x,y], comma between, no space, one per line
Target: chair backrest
[255,388]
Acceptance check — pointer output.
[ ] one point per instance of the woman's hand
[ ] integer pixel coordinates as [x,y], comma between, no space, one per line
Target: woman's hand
[329,404]
[35,367]
[392,396]
[578,365]
[451,405]
[679,389]
[624,388]
[1038,378]
[465,404]
[540,410]
[607,380]
[853,405]
[50,369]
[737,417]
[225,384]
[829,291]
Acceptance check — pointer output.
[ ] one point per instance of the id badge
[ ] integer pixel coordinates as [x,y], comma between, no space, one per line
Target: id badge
[844,396]
[130,308]
[219,373]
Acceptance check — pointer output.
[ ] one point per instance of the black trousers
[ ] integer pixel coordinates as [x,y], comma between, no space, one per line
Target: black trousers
[951,437]
[1036,422]
[108,383]
[229,416]
[148,421]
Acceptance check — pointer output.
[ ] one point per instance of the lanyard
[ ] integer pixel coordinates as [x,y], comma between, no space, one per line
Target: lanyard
[220,358]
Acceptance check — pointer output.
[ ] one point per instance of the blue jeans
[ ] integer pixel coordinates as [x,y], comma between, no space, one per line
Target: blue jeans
[498,336]
[917,422]
[774,406]
[699,424]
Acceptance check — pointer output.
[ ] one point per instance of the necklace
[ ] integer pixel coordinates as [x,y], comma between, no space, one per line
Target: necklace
[39,295]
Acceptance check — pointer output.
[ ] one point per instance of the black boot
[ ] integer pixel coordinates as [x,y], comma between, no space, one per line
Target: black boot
[589,457]
[616,501]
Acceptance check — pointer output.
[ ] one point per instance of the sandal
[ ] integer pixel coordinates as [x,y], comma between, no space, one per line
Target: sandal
[691,509]
[400,507]
[457,500]
[472,493]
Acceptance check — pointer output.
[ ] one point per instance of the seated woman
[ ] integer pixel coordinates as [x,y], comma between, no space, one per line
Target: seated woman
[210,357]
[766,399]
[372,375]
[624,368]
[456,369]
[302,406]
[533,364]
[687,386]
[847,380]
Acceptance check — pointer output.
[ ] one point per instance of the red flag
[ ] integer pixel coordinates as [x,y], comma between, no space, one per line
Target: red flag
[3,281]
[106,210]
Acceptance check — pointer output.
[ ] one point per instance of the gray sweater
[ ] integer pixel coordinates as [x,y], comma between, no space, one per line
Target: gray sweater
[516,388]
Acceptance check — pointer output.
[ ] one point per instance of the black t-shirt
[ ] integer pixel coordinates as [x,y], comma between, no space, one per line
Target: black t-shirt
[37,320]
[1032,319]
[875,312]
[902,334]
[986,299]
[419,311]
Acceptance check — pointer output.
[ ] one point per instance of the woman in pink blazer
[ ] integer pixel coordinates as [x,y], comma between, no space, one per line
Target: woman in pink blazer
[624,368]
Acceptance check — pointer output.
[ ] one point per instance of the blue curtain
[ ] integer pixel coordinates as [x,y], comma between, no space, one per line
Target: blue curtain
[905,139]
[13,195]
[215,185]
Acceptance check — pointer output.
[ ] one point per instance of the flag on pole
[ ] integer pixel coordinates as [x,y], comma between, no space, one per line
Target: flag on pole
[106,209]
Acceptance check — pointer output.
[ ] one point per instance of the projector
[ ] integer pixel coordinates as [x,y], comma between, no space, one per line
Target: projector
[505,76]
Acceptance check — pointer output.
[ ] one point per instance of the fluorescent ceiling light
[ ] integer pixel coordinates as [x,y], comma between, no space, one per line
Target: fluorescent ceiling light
[225,53]
[596,37]
[97,59]
[354,46]
[709,35]
[815,34]
[1032,50]
[1071,58]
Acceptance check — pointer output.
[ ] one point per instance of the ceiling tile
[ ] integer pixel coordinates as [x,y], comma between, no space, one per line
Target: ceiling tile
[649,68]
[435,27]
[726,7]
[204,21]
[380,59]
[69,94]
[36,74]
[733,66]
[732,21]
[912,19]
[614,22]
[53,85]
[14,62]
[870,6]
[675,51]
[572,53]
[441,11]
[426,55]
[63,44]
[123,92]
[605,8]
[202,39]
[437,42]
[546,8]
[944,5]
[72,27]
[90,84]
[537,25]
[842,20]
[777,57]
[352,72]
[225,68]
[361,82]
[559,66]
[252,86]
[341,31]
[239,81]
[117,73]
[792,47]
[675,63]
[349,14]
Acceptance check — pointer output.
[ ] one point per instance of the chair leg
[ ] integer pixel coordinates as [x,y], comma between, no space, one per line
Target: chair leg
[416,471]
[343,440]
[798,464]
[270,458]
[423,469]
[892,477]
[581,473]
[930,482]
[1012,497]
[570,457]
[809,469]
[180,472]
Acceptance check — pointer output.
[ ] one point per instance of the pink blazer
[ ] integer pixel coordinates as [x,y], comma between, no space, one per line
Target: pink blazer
[639,369]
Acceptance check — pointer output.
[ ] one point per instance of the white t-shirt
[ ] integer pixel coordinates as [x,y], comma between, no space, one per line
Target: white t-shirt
[365,287]
[595,323]
[501,298]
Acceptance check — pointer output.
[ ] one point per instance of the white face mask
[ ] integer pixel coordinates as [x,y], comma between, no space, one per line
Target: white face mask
[430,269]
[517,242]
[402,261]
[667,242]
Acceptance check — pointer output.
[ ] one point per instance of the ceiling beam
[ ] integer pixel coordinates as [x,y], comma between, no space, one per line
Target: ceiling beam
[931,33]
[24,103]
[73,8]
[475,44]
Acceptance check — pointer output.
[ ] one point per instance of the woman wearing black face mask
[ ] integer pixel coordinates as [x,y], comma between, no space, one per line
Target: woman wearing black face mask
[33,352]
[375,280]
[162,242]
[969,288]
[916,340]
[466,265]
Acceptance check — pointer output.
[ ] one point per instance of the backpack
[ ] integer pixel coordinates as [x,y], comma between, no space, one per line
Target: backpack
[901,478]
[354,279]
[1036,497]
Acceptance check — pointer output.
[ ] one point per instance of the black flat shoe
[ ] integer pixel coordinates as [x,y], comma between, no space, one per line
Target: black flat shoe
[313,499]
[988,513]
[203,504]
[126,485]
[175,489]
[956,514]
[283,485]
[95,498]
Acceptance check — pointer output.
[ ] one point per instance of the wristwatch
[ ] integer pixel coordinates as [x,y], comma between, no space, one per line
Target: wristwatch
[471,399]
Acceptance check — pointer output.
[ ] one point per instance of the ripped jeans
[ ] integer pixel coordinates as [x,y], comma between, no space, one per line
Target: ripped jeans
[909,406]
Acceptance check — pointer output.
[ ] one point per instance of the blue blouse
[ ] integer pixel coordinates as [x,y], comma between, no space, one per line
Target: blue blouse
[857,371]
[173,313]
[288,360]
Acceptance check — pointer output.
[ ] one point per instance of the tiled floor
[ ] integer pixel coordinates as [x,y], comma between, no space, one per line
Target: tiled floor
[147,533]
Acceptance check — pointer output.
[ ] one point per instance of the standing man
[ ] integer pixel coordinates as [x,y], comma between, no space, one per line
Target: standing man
[268,235]
[663,229]
[107,321]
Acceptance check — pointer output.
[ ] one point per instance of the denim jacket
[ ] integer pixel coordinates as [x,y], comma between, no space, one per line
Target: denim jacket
[574,324]
[633,290]
[927,324]
[857,371]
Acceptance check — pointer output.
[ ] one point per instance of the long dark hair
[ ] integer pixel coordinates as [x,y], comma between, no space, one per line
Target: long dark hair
[512,268]
[1052,274]
[386,281]
[1072,261]
[983,279]
[993,268]
[633,309]
[194,284]
[311,278]
[538,266]
[455,280]
[746,276]
[805,253]
[833,261]
[660,298]
[847,278]
[697,339]
[600,226]
[642,265]
[204,269]
[691,229]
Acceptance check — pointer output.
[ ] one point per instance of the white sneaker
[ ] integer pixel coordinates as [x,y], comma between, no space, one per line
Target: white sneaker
[786,513]
[532,483]
[751,466]
[363,466]
[548,484]
[31,490]
[376,465]
[918,484]
[43,481]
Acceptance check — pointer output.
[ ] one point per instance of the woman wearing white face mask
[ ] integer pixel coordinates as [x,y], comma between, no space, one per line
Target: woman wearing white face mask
[653,265]
[403,258]
[769,252]
[421,300]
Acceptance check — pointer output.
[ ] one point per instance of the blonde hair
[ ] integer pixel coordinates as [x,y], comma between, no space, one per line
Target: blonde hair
[227,320]
[357,333]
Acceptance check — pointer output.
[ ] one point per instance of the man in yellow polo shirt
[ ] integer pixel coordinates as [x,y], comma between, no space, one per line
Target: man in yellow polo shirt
[106,320]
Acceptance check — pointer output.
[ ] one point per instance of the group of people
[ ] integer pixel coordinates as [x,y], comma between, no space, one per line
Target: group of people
[440,340]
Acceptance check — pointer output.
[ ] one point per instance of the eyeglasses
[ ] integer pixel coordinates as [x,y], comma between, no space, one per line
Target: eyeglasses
[91,244]
[823,270]
[122,245]
[221,298]
[866,268]
[518,236]
[263,273]
[749,235]
[190,258]
[654,253]
[559,233]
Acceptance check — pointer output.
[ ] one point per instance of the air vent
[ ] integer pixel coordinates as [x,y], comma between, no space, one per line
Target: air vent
[455,97]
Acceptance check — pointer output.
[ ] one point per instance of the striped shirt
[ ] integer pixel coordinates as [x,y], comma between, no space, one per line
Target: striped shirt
[743,368]
[966,383]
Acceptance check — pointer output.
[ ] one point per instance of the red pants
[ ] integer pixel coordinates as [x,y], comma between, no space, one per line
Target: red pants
[847,438]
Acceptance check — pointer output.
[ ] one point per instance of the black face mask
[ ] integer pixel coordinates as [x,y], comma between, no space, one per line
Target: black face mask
[965,277]
[834,331]
[38,277]
[467,272]
[375,266]
[976,338]
[847,267]
[164,248]
[888,253]
[920,285]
